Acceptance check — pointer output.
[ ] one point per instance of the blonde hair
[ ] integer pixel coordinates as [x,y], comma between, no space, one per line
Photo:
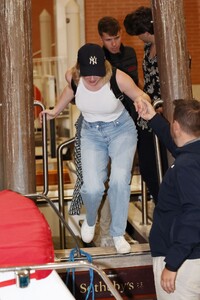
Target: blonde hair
[76,72]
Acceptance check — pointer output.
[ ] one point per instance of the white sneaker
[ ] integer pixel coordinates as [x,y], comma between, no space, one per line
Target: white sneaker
[121,245]
[107,241]
[134,242]
[87,232]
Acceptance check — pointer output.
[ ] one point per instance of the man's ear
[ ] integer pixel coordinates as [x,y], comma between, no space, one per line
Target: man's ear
[176,127]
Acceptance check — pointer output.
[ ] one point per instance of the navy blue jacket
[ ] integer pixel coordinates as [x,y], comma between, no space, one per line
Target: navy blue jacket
[175,232]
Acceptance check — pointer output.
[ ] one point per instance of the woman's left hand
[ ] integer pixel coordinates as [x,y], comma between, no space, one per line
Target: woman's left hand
[144,108]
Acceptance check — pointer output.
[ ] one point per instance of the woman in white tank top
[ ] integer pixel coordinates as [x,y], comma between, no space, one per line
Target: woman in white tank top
[108,133]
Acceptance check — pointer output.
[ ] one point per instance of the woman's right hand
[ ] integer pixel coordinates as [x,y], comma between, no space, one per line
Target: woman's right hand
[50,114]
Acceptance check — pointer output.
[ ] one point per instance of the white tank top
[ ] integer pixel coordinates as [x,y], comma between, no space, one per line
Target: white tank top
[101,105]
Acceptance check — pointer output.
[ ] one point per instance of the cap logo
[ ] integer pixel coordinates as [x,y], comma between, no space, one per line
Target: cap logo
[93,60]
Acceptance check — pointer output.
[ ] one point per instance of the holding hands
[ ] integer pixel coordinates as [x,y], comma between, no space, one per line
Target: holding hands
[144,109]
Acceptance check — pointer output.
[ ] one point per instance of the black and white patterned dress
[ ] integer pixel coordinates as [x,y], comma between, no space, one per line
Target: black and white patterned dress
[77,201]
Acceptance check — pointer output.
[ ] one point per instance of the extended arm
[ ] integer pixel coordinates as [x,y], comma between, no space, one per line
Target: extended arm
[160,126]
[128,87]
[64,99]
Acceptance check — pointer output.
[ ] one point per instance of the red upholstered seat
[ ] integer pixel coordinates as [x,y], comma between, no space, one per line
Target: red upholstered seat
[25,236]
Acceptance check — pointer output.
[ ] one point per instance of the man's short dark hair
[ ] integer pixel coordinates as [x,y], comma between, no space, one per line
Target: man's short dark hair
[187,114]
[108,25]
[139,21]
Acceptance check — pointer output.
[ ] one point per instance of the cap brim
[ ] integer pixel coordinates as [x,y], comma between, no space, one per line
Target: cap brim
[92,71]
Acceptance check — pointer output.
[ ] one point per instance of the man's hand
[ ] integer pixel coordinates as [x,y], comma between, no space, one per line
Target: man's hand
[146,110]
[168,279]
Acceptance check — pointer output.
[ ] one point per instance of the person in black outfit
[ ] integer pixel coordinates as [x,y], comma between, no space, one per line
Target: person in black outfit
[140,23]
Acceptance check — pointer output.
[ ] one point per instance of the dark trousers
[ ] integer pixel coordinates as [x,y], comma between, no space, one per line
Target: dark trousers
[147,160]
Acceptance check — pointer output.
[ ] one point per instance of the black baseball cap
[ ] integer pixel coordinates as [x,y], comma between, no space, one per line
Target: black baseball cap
[91,59]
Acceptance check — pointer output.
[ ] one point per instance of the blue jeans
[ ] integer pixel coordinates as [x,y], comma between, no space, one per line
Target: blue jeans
[101,141]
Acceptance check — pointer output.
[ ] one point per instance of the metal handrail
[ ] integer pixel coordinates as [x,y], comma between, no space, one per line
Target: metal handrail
[43,195]
[157,103]
[65,265]
[144,204]
[60,216]
[44,149]
[61,187]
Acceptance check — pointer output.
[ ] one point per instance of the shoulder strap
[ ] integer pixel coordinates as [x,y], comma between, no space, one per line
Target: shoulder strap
[114,86]
[74,86]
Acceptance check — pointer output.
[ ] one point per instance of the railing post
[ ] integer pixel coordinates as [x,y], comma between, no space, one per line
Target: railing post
[44,149]
[157,104]
[144,204]
[61,189]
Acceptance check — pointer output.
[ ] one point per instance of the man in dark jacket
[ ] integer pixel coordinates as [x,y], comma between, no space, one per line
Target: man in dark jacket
[175,233]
